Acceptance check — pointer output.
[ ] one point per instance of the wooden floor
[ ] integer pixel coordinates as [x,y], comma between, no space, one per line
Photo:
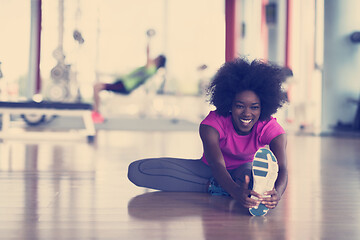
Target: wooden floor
[74,190]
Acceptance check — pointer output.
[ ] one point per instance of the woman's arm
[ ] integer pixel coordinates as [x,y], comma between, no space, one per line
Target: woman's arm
[215,159]
[278,147]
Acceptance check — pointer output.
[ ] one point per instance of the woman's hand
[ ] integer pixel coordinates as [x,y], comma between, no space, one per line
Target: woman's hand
[271,199]
[243,192]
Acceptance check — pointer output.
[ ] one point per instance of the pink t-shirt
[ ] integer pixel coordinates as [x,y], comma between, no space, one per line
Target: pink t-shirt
[239,149]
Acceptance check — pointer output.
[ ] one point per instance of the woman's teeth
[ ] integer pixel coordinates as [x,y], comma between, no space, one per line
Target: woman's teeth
[245,121]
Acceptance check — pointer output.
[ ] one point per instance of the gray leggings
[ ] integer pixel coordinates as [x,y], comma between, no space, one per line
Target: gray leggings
[178,175]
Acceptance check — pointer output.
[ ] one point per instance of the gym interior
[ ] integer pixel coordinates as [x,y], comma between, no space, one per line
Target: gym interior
[64,176]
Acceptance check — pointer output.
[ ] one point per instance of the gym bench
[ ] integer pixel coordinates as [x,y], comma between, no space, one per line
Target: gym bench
[43,109]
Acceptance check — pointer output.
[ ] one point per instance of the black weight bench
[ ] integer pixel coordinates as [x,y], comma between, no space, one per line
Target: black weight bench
[49,109]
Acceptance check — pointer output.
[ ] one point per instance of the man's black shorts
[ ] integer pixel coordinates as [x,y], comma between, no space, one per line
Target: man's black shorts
[117,87]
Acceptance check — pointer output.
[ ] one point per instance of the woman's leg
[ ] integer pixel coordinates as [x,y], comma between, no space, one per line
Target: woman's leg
[170,174]
[239,173]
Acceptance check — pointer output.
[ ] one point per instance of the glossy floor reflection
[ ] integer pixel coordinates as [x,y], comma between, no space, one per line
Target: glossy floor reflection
[74,190]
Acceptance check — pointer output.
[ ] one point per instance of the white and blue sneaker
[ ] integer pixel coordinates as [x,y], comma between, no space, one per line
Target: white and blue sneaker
[215,189]
[265,171]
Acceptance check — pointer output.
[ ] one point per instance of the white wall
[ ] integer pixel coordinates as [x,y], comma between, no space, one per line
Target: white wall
[14,46]
[277,34]
[341,78]
[190,33]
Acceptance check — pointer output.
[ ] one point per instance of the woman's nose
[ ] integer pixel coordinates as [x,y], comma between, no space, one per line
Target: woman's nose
[247,111]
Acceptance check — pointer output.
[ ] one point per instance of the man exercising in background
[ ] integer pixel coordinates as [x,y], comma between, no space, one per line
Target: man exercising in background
[129,82]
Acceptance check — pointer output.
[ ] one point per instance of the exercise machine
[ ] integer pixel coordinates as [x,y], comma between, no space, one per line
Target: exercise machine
[44,109]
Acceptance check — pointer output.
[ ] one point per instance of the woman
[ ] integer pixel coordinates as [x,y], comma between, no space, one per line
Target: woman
[235,161]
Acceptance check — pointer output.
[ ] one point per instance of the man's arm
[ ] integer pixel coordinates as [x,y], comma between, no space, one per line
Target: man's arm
[148,60]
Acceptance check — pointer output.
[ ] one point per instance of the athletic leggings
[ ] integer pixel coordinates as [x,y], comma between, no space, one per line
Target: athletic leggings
[178,175]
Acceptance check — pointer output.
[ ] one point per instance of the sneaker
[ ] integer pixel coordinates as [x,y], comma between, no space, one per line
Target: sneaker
[97,117]
[215,189]
[265,171]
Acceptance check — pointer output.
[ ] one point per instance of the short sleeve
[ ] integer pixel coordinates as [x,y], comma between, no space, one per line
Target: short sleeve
[215,121]
[270,130]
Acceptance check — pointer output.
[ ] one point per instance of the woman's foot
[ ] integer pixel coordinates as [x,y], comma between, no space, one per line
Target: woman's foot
[265,171]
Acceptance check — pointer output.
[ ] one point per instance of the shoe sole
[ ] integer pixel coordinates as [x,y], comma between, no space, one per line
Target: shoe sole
[265,171]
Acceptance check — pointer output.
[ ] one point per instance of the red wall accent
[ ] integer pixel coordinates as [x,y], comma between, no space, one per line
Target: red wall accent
[231,33]
[288,36]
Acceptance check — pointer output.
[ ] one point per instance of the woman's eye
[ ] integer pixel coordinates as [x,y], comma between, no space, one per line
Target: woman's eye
[255,107]
[239,106]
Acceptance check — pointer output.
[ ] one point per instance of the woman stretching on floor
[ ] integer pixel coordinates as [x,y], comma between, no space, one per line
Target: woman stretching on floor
[244,146]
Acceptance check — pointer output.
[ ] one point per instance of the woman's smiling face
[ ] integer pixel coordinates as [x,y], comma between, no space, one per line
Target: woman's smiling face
[245,111]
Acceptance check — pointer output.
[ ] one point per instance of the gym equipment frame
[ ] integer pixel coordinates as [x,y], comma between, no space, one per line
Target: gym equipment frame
[49,109]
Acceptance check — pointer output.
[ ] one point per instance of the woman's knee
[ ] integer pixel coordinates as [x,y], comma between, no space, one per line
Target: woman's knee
[244,170]
[133,171]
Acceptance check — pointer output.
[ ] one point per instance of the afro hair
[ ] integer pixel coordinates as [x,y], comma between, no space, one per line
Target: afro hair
[264,79]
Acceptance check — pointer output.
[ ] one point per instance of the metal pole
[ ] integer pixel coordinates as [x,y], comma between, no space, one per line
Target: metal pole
[34,80]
